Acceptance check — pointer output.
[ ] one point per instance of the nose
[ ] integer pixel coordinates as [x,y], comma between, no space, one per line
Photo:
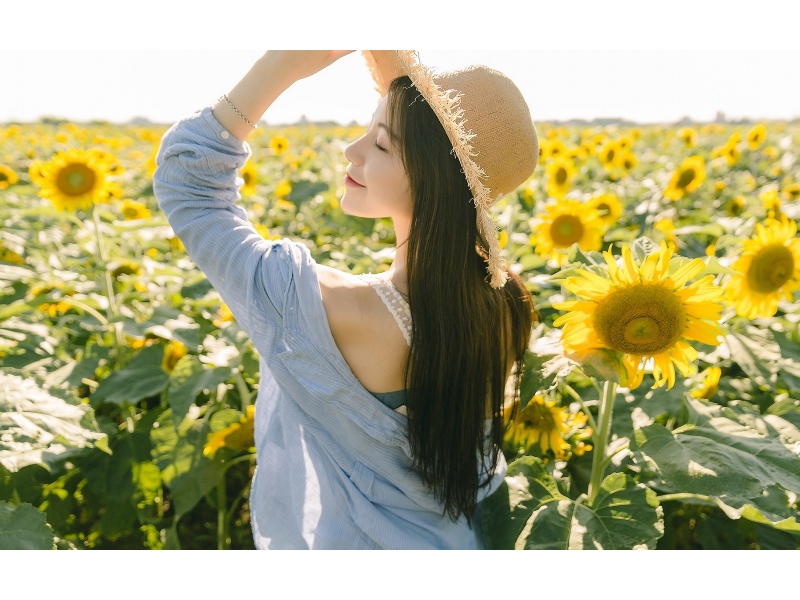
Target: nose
[352,151]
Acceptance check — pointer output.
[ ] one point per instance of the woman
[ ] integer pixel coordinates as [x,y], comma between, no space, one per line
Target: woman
[380,407]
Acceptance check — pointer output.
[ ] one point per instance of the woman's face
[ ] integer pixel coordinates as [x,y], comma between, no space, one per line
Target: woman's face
[376,184]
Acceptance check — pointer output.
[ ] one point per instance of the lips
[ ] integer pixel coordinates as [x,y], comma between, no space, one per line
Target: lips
[350,181]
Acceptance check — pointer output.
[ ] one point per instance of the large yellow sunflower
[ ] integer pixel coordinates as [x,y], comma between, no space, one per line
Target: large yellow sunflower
[767,271]
[686,178]
[565,223]
[75,179]
[643,312]
[560,173]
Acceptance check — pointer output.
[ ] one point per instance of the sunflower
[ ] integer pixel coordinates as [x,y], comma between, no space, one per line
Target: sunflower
[224,315]
[792,191]
[577,154]
[9,256]
[643,312]
[75,179]
[608,207]
[731,153]
[767,271]
[736,205]
[249,174]
[279,144]
[174,351]
[283,189]
[687,178]
[756,136]
[609,154]
[771,202]
[565,223]
[545,423]
[237,436]
[35,172]
[709,384]
[560,174]
[628,160]
[7,177]
[688,135]
[133,210]
[124,267]
[554,149]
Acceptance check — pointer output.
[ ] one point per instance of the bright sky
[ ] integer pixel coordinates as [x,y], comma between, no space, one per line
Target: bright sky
[165,60]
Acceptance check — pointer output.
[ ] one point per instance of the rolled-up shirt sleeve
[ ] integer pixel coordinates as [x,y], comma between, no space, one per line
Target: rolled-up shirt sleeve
[197,186]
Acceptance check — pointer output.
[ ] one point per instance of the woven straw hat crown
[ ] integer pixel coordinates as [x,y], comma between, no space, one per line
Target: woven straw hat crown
[488,123]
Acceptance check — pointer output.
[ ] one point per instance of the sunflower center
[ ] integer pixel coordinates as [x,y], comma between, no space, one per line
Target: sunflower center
[603,209]
[566,230]
[3,176]
[772,266]
[76,179]
[561,175]
[540,417]
[642,319]
[130,211]
[686,178]
[247,178]
[610,155]
[642,330]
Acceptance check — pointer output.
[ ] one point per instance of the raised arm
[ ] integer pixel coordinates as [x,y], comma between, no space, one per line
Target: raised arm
[197,187]
[270,76]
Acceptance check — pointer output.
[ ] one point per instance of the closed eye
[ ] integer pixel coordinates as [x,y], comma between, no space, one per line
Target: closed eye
[379,147]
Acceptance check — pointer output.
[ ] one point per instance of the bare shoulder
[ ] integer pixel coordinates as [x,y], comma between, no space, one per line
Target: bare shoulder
[347,298]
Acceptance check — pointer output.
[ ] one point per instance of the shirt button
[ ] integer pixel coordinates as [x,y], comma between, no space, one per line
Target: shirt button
[225,135]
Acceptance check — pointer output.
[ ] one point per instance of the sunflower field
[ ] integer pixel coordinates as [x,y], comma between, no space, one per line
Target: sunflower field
[660,404]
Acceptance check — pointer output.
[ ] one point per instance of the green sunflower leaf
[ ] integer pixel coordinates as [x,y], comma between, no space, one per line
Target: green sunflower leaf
[24,527]
[746,463]
[528,512]
[41,426]
[188,379]
[756,352]
[141,378]
[178,453]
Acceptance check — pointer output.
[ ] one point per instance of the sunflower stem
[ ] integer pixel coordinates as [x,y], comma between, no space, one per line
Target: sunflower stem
[222,515]
[85,308]
[601,438]
[112,305]
[241,386]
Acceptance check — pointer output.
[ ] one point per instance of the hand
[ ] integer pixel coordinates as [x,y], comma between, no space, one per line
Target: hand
[299,64]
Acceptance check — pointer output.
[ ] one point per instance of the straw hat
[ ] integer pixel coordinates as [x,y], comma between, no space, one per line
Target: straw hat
[488,123]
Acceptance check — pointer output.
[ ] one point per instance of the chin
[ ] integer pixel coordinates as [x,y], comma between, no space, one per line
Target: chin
[348,208]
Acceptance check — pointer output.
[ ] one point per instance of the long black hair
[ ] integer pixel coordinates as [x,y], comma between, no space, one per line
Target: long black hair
[464,332]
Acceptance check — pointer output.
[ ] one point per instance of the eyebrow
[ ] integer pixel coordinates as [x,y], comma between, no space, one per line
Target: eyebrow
[386,128]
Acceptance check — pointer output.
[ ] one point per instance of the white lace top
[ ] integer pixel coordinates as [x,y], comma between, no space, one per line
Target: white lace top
[393,300]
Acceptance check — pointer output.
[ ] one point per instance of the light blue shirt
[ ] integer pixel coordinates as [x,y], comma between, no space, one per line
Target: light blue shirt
[333,462]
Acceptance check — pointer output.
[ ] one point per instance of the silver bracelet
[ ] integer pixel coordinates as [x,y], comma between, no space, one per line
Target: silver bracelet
[236,110]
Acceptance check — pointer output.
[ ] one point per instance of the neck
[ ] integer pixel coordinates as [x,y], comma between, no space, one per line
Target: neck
[397,271]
